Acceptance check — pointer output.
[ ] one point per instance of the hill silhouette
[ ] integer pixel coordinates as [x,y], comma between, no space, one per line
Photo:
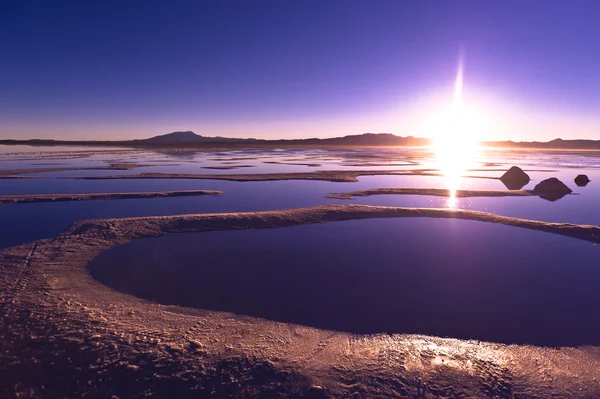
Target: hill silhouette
[360,140]
[187,137]
[191,139]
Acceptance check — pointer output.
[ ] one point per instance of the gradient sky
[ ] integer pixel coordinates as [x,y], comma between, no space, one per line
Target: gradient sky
[283,68]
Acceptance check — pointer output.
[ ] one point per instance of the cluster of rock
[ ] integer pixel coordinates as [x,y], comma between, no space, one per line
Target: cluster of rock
[550,189]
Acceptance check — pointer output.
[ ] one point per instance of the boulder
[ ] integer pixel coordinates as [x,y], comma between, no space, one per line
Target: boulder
[551,189]
[515,178]
[582,180]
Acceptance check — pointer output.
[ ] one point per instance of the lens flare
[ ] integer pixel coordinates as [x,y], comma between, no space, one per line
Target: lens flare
[458,83]
[456,132]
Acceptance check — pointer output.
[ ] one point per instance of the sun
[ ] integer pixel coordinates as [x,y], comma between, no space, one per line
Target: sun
[456,144]
[456,132]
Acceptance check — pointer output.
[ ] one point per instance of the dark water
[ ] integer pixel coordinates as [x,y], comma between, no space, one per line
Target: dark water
[28,222]
[440,277]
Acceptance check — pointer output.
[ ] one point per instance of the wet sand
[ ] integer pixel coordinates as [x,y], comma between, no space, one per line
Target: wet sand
[227,167]
[294,163]
[29,198]
[115,166]
[324,175]
[64,334]
[438,192]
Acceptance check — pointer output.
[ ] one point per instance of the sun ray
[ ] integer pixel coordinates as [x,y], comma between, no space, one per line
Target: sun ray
[456,131]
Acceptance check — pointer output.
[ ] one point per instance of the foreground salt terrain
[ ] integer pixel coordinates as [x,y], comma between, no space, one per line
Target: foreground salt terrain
[56,317]
[63,334]
[19,199]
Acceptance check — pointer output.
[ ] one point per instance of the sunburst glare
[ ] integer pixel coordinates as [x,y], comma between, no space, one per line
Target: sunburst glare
[456,133]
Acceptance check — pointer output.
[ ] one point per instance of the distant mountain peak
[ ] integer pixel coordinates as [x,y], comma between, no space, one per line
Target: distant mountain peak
[187,133]
[369,134]
[364,139]
[188,137]
[175,137]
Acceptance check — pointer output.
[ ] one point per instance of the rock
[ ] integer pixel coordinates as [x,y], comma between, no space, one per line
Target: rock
[515,178]
[552,189]
[582,180]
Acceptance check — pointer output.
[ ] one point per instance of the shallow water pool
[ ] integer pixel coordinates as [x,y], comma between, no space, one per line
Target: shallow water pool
[440,277]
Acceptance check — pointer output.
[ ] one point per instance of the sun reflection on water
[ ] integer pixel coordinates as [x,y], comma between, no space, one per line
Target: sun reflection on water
[456,148]
[456,133]
[451,202]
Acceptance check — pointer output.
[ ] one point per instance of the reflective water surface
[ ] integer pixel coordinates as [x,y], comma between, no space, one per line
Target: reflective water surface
[28,222]
[453,278]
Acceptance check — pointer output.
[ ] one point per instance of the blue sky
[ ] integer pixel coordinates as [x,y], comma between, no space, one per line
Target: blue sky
[130,69]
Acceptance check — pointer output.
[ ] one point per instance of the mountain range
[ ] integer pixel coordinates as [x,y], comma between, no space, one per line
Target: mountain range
[360,140]
[191,139]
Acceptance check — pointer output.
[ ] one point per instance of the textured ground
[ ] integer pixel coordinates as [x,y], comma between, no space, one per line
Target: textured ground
[438,192]
[325,175]
[12,173]
[28,198]
[62,334]
[227,167]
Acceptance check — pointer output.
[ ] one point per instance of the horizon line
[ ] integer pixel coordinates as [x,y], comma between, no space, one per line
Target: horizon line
[275,139]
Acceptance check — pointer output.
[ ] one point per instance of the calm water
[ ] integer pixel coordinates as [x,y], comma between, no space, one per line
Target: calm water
[442,277]
[28,222]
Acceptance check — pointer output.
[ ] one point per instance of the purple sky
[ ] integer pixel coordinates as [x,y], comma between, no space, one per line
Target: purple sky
[284,69]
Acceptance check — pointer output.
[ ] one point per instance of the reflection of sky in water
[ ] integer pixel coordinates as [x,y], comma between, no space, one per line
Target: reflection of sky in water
[27,222]
[483,281]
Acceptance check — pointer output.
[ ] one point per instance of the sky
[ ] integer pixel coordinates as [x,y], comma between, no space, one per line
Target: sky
[290,69]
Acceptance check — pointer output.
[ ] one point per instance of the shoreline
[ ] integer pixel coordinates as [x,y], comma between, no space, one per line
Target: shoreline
[437,192]
[15,173]
[33,198]
[345,176]
[64,327]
